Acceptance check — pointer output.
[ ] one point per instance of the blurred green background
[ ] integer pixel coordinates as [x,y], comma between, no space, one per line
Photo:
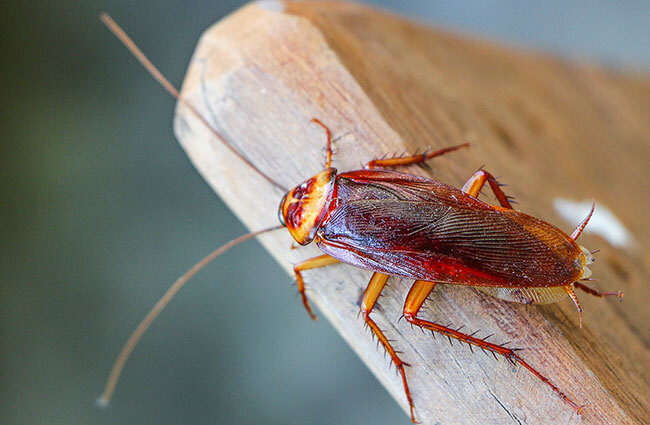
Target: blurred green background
[101,210]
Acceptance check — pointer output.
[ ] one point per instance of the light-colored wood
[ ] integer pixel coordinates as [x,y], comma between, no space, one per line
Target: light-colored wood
[385,85]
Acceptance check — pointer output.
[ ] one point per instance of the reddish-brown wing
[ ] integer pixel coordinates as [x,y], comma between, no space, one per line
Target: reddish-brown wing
[410,226]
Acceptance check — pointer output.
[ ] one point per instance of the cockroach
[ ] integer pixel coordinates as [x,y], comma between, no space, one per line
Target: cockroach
[403,225]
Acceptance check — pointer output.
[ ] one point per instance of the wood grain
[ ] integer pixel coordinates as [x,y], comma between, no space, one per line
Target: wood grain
[385,85]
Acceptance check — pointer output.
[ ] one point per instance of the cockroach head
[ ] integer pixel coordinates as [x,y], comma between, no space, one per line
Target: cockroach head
[304,207]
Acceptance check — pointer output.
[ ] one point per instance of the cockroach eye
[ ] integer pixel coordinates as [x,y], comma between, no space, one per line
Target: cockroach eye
[280,213]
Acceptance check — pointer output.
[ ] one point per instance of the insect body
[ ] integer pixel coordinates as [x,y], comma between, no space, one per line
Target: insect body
[397,224]
[410,226]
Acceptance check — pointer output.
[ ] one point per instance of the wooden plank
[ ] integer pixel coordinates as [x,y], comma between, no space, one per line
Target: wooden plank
[383,84]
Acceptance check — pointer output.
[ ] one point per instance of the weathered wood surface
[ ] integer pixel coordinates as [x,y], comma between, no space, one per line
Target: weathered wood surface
[385,85]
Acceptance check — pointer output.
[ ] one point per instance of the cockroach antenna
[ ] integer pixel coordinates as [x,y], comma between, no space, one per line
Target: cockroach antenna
[130,344]
[155,73]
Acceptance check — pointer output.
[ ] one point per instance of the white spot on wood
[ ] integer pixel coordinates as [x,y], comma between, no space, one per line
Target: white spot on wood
[271,5]
[603,222]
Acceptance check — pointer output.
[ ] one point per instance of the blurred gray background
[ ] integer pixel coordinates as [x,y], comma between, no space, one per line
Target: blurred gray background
[101,210]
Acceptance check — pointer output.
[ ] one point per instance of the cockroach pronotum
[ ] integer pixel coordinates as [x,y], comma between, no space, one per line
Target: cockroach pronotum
[397,224]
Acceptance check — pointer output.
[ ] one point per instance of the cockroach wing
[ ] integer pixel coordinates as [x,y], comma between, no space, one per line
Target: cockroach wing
[410,226]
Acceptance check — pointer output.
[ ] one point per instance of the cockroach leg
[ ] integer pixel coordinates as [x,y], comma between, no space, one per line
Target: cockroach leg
[414,301]
[311,263]
[410,160]
[377,283]
[596,293]
[572,295]
[475,183]
[328,155]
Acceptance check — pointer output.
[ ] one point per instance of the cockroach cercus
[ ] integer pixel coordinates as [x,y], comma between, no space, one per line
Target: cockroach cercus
[397,224]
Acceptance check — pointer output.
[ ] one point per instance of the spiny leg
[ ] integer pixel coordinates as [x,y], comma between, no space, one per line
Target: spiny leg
[585,288]
[569,290]
[414,301]
[475,183]
[377,283]
[596,293]
[328,154]
[311,263]
[409,160]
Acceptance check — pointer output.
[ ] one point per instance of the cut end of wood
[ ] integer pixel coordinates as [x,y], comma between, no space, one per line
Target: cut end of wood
[385,85]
